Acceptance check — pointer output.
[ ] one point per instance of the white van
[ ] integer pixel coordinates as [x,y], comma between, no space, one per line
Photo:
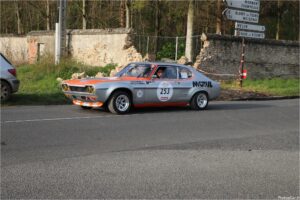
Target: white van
[9,82]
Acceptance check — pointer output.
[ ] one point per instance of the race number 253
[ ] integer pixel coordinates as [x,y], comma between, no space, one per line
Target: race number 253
[164,90]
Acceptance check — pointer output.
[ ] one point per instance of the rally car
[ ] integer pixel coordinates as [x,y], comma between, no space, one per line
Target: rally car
[144,84]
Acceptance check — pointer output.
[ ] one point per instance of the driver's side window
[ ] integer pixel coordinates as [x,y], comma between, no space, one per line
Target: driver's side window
[167,72]
[159,72]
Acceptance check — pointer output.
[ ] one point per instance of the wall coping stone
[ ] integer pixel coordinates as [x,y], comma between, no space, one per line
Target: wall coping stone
[83,32]
[12,35]
[99,31]
[250,40]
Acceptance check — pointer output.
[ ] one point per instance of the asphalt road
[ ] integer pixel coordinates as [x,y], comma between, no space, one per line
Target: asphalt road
[232,150]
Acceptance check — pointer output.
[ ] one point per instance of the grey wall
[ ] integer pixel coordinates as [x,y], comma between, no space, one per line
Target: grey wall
[263,58]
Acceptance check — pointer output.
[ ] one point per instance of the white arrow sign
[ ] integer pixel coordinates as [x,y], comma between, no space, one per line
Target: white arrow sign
[249,34]
[239,15]
[244,4]
[250,27]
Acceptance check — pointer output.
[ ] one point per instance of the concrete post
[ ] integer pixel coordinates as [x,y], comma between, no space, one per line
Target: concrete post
[57,43]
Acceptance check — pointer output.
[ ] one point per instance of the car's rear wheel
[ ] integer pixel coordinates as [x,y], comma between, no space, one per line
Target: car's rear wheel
[199,101]
[120,102]
[5,91]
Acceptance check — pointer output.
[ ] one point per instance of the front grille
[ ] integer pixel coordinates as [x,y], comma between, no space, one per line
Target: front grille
[78,89]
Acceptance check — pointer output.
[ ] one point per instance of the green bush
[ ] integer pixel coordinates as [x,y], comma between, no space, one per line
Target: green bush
[168,50]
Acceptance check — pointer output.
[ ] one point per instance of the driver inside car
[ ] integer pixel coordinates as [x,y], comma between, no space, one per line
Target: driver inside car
[160,73]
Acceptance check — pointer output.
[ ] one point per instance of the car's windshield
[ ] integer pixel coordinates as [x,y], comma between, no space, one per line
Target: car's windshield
[135,70]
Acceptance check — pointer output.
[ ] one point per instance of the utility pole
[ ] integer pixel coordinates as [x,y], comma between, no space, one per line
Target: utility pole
[60,32]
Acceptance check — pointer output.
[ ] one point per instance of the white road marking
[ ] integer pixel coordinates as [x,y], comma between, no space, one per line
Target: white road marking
[57,119]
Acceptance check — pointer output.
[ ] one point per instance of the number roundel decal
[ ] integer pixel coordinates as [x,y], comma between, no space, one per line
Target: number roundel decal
[164,91]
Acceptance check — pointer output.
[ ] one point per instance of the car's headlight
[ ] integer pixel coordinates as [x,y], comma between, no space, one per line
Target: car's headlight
[90,89]
[65,87]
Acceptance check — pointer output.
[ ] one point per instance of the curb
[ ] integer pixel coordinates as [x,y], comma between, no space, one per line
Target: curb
[266,98]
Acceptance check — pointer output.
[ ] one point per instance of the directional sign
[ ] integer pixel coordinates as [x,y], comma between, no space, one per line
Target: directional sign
[244,4]
[239,15]
[250,27]
[249,34]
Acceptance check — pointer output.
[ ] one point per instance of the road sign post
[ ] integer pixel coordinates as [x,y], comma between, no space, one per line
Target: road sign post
[242,11]
[242,62]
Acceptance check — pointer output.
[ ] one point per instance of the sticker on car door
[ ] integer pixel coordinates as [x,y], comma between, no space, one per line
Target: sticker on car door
[164,91]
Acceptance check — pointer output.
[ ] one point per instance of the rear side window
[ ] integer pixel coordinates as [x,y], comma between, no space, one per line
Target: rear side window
[185,73]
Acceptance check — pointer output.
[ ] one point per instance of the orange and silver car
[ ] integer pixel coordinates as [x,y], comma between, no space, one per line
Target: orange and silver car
[144,84]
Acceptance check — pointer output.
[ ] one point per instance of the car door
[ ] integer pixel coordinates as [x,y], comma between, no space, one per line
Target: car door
[163,89]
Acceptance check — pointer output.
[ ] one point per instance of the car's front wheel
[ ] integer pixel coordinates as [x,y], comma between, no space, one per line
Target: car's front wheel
[199,101]
[5,91]
[120,102]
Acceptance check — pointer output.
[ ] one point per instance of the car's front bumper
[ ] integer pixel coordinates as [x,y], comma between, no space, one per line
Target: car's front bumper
[84,99]
[88,104]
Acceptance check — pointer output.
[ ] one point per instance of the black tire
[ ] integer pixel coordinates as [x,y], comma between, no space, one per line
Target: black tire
[119,102]
[199,101]
[5,91]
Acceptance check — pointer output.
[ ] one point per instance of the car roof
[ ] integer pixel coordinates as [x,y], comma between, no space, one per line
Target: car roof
[163,63]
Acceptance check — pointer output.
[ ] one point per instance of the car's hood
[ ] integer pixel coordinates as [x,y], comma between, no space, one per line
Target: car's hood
[92,81]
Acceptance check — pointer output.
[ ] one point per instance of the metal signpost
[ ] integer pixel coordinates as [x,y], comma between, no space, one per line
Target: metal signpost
[242,11]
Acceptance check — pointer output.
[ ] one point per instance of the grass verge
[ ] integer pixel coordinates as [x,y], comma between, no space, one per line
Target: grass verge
[272,87]
[39,85]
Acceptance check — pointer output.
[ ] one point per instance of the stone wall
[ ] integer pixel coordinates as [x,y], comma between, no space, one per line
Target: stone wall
[100,47]
[40,43]
[96,47]
[14,48]
[263,58]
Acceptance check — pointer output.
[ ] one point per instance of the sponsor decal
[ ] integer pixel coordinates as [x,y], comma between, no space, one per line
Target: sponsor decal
[202,84]
[137,82]
[164,91]
[139,93]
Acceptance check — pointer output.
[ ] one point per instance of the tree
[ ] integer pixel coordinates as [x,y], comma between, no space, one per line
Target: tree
[157,24]
[279,14]
[83,15]
[189,32]
[48,15]
[122,13]
[128,13]
[19,24]
[219,17]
